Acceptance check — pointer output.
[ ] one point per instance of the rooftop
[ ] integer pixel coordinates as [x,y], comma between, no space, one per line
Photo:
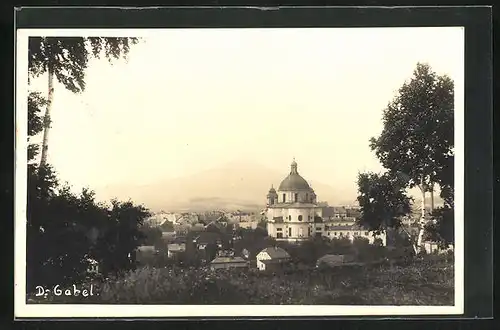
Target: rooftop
[225,260]
[276,253]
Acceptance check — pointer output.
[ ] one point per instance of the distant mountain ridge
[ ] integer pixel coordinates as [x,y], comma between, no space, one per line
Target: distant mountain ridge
[236,185]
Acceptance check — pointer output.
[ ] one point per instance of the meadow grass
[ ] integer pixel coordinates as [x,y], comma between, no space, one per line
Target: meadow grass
[428,281]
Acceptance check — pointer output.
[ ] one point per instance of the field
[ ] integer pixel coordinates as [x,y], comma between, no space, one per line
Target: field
[427,281]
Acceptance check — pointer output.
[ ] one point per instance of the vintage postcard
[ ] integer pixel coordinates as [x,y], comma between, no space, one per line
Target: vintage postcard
[191,172]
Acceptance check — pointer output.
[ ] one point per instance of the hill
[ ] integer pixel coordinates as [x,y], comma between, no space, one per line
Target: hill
[236,185]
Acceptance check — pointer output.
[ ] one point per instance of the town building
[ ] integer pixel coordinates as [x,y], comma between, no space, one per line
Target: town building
[175,248]
[272,258]
[248,225]
[294,214]
[206,238]
[228,263]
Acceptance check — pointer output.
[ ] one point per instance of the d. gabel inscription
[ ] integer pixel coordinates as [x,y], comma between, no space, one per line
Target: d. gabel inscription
[57,290]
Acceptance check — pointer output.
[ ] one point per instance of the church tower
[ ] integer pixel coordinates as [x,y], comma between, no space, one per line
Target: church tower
[272,197]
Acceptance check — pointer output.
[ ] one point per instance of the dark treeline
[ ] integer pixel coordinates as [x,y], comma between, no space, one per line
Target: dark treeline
[66,230]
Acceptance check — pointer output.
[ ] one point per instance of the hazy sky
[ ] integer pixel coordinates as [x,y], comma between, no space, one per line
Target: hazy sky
[188,100]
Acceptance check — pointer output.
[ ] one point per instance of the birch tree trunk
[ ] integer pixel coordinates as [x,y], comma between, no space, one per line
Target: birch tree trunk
[421,223]
[432,198]
[46,119]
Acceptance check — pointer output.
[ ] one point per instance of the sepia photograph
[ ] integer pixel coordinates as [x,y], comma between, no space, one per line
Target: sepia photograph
[239,172]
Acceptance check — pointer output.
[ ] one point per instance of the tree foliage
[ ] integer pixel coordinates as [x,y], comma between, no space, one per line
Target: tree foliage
[383,201]
[64,229]
[69,56]
[417,141]
[152,235]
[417,138]
[442,230]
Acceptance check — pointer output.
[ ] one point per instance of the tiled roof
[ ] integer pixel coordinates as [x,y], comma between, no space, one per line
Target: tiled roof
[330,211]
[276,253]
[225,260]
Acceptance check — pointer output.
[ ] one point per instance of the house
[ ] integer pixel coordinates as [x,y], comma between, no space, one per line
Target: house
[156,220]
[207,217]
[228,263]
[197,227]
[334,260]
[272,258]
[145,252]
[146,249]
[180,239]
[205,238]
[168,235]
[248,224]
[434,248]
[175,248]
[351,231]
[334,212]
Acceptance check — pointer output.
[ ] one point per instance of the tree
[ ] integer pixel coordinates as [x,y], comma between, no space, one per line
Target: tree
[152,235]
[120,236]
[66,59]
[383,202]
[417,139]
[65,230]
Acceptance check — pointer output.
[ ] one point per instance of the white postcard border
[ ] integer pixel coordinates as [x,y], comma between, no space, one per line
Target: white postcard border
[24,310]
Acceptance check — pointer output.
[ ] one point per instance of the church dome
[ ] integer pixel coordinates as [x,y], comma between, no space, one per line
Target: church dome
[294,181]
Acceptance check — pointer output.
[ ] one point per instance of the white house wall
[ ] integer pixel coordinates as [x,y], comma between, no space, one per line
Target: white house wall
[262,256]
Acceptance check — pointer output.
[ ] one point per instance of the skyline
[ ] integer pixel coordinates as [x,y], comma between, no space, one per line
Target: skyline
[270,95]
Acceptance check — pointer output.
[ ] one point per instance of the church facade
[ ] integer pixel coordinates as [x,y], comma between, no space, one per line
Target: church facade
[293,214]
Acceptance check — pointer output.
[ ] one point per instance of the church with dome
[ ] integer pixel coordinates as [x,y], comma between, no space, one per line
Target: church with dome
[294,214]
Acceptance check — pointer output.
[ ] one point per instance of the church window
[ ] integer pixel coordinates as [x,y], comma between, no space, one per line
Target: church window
[335,234]
[284,198]
[279,235]
[289,218]
[309,231]
[328,233]
[296,197]
[307,197]
[366,233]
[279,229]
[300,217]
[318,229]
[289,231]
